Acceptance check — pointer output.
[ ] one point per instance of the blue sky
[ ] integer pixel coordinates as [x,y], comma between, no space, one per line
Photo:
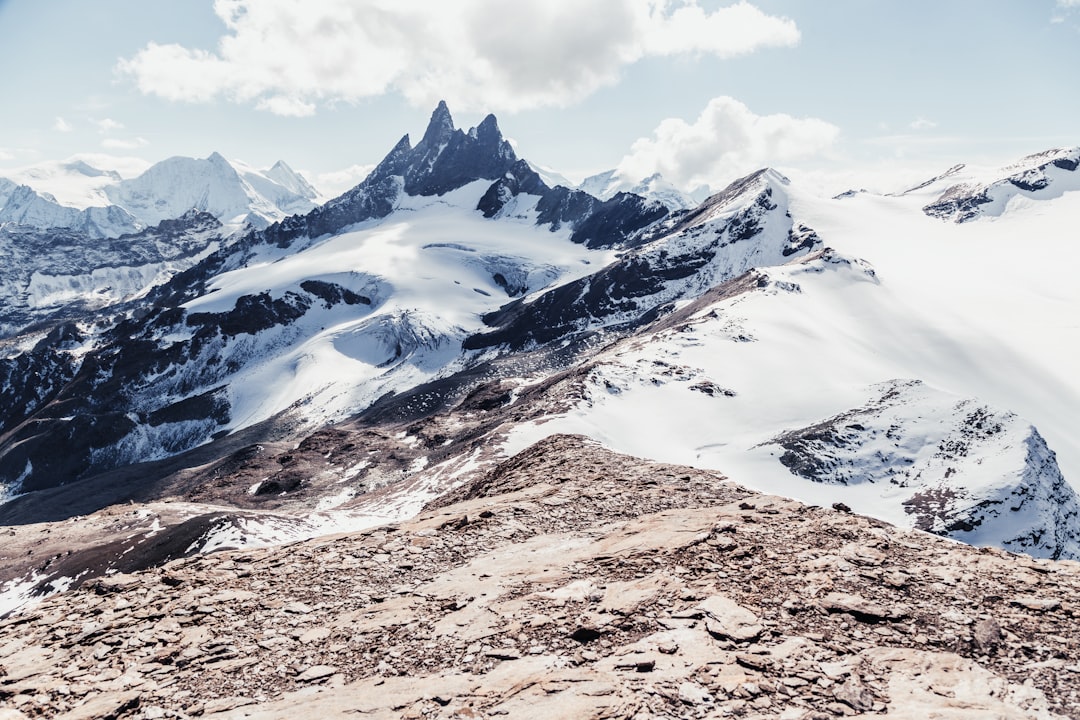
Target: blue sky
[698,90]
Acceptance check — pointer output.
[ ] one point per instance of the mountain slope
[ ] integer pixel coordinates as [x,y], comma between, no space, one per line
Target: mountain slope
[745,226]
[1042,176]
[53,276]
[568,581]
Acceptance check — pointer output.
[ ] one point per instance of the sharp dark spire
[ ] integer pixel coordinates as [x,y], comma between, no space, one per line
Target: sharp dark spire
[441,126]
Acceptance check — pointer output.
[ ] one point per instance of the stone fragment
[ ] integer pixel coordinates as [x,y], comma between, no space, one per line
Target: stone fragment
[106,705]
[316,672]
[863,555]
[862,609]
[1036,603]
[693,694]
[314,635]
[726,619]
[223,704]
[855,693]
[987,634]
[753,662]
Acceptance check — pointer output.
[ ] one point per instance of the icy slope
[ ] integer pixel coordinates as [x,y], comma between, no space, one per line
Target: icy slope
[423,276]
[956,467]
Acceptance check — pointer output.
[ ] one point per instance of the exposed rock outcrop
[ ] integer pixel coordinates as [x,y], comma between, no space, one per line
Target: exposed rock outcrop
[569,582]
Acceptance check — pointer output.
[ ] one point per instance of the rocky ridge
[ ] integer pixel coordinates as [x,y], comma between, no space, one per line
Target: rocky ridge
[568,582]
[1043,175]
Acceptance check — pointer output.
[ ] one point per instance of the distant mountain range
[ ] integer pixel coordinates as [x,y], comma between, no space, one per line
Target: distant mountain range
[101,204]
[338,364]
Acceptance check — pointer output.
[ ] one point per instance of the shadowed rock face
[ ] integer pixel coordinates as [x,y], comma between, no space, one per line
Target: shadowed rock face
[567,579]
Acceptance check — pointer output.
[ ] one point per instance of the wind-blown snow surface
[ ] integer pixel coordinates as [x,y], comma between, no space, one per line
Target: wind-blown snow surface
[429,272]
[983,310]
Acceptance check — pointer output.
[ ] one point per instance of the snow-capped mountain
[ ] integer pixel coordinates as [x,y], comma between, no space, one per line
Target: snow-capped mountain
[78,182]
[607,184]
[330,325]
[76,195]
[64,259]
[347,365]
[234,193]
[22,205]
[971,193]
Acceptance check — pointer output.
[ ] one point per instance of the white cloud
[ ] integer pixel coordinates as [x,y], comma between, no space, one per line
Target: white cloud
[921,123]
[118,144]
[125,166]
[288,56]
[108,125]
[336,182]
[5,155]
[62,125]
[1068,3]
[286,106]
[726,141]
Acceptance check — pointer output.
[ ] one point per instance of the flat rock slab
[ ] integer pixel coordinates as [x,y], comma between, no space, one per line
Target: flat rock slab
[725,618]
[862,609]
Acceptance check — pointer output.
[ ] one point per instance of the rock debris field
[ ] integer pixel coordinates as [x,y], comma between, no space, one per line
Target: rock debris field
[567,582]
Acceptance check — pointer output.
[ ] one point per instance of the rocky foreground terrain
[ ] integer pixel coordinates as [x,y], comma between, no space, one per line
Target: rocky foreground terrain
[567,582]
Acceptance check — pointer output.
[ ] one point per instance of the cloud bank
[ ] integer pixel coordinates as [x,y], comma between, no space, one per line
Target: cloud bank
[288,57]
[726,141]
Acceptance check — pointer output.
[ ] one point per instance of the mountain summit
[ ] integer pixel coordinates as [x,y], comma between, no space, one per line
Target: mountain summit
[446,158]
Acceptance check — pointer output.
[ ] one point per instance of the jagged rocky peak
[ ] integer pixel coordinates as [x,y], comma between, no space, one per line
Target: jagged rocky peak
[446,158]
[441,126]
